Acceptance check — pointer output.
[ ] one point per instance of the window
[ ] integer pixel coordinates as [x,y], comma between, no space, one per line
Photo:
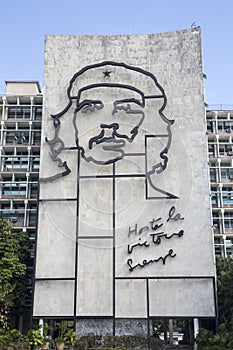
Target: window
[211,150]
[216,221]
[32,217]
[36,138]
[34,189]
[14,163]
[21,153]
[229,126]
[220,126]
[36,151]
[16,217]
[227,195]
[214,197]
[225,164]
[38,112]
[225,150]
[217,246]
[212,174]
[227,173]
[18,112]
[229,246]
[20,178]
[17,137]
[5,206]
[17,205]
[14,189]
[35,163]
[209,126]
[225,126]
[228,220]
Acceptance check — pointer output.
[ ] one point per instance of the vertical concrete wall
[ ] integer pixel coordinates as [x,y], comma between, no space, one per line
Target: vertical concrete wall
[124,231]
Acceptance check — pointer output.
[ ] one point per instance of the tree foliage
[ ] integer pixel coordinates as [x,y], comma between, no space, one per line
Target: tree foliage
[225,290]
[13,256]
[223,339]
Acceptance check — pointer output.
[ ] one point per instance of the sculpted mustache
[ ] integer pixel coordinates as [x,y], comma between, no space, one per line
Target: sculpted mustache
[100,138]
[96,138]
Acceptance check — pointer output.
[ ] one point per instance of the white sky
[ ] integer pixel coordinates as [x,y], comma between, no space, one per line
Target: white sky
[24,24]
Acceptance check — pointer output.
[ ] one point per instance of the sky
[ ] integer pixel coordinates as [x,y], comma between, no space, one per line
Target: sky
[24,24]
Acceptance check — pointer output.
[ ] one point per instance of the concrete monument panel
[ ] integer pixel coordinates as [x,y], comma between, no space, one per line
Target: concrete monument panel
[124,194]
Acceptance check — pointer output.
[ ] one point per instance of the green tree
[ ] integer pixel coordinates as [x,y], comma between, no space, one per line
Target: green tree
[225,290]
[13,257]
[223,340]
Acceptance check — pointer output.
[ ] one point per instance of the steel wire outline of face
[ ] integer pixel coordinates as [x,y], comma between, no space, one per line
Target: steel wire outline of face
[116,141]
[57,144]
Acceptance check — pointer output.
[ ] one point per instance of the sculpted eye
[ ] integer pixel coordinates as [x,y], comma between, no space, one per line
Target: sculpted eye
[126,108]
[117,108]
[91,106]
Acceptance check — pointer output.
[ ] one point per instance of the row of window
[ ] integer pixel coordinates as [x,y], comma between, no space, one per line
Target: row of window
[223,174]
[21,151]
[23,112]
[225,222]
[19,126]
[16,179]
[19,189]
[12,205]
[222,197]
[223,247]
[220,126]
[18,216]
[22,137]
[219,150]
[19,163]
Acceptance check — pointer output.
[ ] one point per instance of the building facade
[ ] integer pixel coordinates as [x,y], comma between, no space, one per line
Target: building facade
[20,134]
[21,117]
[123,170]
[220,149]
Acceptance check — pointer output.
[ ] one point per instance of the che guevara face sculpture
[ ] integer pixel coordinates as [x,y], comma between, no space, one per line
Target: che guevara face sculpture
[108,101]
[115,113]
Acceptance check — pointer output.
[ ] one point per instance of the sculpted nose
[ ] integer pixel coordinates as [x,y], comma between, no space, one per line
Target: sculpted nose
[113,126]
[109,129]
